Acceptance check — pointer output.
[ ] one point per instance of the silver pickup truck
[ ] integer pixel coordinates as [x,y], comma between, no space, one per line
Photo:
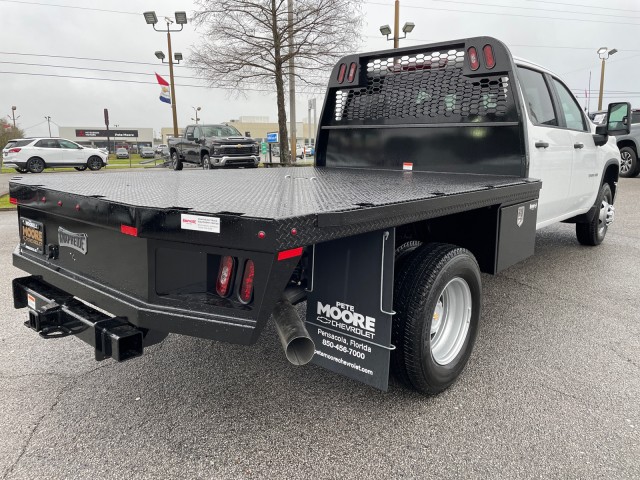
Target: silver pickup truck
[629,145]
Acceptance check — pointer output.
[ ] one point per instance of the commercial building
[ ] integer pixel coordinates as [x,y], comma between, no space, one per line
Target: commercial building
[167,132]
[130,138]
[260,126]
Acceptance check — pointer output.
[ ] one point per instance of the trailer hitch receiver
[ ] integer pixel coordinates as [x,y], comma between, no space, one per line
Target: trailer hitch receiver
[55,314]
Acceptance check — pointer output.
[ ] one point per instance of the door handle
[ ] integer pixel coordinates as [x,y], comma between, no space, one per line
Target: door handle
[542,144]
[578,145]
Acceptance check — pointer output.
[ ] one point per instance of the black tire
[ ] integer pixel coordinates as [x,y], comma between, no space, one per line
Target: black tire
[94,163]
[81,168]
[629,166]
[176,163]
[206,162]
[593,233]
[21,170]
[419,289]
[404,251]
[35,165]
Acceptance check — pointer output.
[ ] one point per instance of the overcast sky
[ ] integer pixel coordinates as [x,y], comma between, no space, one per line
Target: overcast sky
[563,36]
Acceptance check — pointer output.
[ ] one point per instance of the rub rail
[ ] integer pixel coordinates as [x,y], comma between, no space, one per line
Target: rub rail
[54,313]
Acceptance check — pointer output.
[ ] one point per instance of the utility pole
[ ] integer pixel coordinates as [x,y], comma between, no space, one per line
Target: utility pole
[292,86]
[49,124]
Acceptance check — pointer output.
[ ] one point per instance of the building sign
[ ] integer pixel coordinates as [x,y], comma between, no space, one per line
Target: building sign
[105,134]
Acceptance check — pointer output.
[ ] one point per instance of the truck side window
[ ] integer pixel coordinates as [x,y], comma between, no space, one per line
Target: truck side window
[189,133]
[537,97]
[197,134]
[572,111]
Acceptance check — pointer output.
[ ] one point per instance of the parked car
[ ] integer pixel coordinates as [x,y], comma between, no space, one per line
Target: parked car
[5,151]
[122,153]
[160,148]
[147,152]
[36,154]
[629,145]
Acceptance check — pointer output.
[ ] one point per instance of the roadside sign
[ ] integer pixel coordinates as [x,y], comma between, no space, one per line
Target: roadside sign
[263,147]
[272,137]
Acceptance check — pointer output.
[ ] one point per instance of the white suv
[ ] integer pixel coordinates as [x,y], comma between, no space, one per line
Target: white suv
[36,154]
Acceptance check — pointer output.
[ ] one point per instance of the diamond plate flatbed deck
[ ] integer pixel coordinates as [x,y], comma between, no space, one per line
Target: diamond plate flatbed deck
[320,203]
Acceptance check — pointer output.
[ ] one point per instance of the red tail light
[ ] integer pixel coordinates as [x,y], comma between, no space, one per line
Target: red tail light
[14,150]
[341,72]
[474,62]
[489,59]
[126,229]
[13,201]
[225,273]
[246,288]
[352,72]
[286,254]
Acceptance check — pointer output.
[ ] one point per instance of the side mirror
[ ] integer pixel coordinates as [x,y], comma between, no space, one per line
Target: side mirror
[247,134]
[618,115]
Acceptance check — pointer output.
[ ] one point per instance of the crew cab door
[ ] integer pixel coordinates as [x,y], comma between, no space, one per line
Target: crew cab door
[72,153]
[189,143]
[550,147]
[49,150]
[585,174]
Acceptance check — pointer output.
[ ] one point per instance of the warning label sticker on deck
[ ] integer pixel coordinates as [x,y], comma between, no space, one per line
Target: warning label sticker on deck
[199,223]
[31,301]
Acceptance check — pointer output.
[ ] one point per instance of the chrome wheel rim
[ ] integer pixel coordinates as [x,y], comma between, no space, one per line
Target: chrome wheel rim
[205,163]
[174,160]
[450,321]
[606,216]
[625,162]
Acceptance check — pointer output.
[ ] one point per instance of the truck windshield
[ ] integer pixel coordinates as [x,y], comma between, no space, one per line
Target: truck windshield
[220,131]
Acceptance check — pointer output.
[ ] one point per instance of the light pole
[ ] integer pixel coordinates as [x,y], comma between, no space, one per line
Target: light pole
[13,115]
[604,53]
[196,109]
[181,19]
[406,28]
[48,119]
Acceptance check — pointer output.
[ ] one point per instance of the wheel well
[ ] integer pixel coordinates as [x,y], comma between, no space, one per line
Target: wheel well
[35,156]
[628,143]
[611,177]
[204,152]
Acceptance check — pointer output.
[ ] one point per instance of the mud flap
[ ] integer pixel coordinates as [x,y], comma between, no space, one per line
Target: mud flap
[349,306]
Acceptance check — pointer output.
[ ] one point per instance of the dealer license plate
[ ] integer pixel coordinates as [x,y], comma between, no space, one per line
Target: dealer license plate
[32,235]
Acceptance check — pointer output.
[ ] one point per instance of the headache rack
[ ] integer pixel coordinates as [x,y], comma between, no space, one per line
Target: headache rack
[466,83]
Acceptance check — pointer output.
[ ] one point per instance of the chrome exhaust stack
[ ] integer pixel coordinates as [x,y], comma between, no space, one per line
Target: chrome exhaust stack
[298,346]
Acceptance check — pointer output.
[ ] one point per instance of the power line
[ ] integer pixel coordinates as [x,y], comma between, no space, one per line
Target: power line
[70,6]
[83,58]
[584,6]
[431,8]
[150,83]
[95,69]
[534,8]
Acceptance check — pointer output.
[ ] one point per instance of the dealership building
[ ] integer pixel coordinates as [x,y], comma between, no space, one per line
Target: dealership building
[129,138]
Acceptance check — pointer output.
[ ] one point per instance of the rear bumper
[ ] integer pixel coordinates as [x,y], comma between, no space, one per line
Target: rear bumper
[140,313]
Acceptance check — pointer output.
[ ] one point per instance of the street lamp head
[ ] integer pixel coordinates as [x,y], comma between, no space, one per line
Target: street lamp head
[160,55]
[14,108]
[150,18]
[177,56]
[199,109]
[181,18]
[612,51]
[602,50]
[408,27]
[385,30]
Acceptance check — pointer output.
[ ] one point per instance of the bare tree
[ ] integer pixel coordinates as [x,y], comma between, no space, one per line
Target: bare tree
[245,44]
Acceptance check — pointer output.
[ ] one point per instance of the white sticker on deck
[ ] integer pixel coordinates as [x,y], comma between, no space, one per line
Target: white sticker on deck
[199,223]
[31,301]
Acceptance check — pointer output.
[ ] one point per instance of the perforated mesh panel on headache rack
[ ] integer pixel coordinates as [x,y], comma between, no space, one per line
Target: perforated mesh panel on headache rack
[462,81]
[429,83]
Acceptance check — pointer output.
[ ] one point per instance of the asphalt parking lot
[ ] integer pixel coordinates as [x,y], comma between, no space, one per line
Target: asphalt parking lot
[552,390]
